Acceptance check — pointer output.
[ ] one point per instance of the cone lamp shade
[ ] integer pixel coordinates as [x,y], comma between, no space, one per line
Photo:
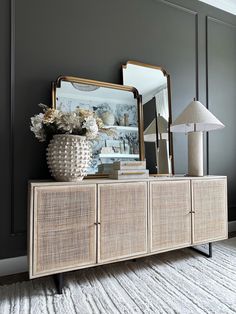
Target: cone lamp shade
[194,120]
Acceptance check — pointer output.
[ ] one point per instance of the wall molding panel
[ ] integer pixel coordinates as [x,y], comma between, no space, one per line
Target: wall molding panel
[213,19]
[178,6]
[218,28]
[195,14]
[216,20]
[13,231]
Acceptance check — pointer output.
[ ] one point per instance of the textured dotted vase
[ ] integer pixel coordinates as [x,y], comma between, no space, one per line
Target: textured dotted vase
[68,157]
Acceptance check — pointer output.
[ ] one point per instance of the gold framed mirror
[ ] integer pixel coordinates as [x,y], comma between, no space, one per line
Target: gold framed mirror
[120,109]
[153,84]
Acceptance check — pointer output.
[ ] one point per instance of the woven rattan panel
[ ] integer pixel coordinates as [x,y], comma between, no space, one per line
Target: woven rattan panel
[170,204]
[209,205]
[123,218]
[64,230]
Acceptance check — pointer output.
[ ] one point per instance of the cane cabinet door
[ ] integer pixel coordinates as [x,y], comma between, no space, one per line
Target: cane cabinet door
[122,217]
[64,231]
[209,210]
[170,215]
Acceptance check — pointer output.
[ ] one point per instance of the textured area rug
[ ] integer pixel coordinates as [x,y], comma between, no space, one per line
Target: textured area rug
[180,281]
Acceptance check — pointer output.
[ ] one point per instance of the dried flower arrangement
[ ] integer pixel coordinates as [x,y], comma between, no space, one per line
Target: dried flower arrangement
[78,122]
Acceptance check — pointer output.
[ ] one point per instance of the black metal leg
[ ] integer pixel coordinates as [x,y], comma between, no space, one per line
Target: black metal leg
[207,254]
[58,279]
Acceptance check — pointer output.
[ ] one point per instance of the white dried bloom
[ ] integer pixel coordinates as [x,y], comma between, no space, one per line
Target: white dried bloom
[54,121]
[91,127]
[68,122]
[91,136]
[37,127]
[56,116]
[51,115]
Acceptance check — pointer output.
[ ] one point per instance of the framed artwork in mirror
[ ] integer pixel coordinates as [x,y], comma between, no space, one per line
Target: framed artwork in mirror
[153,84]
[121,111]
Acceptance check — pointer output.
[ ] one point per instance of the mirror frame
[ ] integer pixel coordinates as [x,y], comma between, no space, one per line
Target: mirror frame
[167,75]
[57,84]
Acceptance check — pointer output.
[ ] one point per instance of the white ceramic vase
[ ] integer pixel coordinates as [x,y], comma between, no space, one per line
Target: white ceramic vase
[68,157]
[108,118]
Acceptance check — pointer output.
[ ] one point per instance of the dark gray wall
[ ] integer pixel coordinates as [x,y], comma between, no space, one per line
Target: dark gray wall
[92,39]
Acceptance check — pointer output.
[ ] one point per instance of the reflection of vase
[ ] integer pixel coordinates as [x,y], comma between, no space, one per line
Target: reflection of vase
[68,157]
[108,118]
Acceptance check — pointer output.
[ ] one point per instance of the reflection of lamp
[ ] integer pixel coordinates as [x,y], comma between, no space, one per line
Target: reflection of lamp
[194,120]
[85,87]
[151,134]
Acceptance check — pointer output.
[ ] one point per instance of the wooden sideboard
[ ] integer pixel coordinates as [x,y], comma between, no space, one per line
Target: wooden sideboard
[94,222]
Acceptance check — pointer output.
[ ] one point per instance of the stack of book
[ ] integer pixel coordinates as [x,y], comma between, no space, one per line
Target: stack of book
[129,170]
[105,168]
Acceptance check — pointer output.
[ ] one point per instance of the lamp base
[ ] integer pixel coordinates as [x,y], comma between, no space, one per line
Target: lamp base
[195,154]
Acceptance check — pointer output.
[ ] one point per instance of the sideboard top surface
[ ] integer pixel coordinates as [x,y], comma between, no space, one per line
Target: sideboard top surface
[107,180]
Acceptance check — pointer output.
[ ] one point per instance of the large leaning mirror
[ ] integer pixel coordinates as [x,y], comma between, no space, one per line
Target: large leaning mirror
[120,109]
[153,84]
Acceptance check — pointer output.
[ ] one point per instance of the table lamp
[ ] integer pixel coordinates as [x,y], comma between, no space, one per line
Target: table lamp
[194,120]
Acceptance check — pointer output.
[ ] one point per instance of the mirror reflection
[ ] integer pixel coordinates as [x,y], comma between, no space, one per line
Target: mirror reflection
[153,84]
[118,106]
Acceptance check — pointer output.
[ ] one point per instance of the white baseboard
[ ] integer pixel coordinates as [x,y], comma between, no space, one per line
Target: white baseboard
[17,265]
[14,265]
[232,226]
